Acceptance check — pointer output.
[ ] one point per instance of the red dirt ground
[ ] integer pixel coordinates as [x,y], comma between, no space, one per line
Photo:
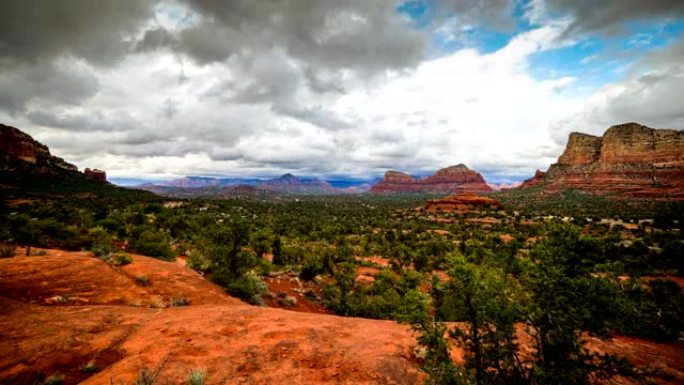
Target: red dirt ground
[288,285]
[104,316]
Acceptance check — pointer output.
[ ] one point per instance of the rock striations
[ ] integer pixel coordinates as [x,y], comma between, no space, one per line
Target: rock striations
[19,152]
[462,203]
[629,160]
[450,180]
[16,145]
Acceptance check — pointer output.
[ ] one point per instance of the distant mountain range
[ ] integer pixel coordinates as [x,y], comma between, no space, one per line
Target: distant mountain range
[288,184]
[449,180]
[629,160]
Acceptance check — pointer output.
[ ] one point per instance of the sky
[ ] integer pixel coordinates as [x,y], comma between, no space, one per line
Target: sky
[160,89]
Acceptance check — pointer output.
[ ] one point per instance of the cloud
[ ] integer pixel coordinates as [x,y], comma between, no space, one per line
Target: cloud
[358,35]
[317,87]
[607,17]
[497,14]
[65,81]
[650,94]
[98,31]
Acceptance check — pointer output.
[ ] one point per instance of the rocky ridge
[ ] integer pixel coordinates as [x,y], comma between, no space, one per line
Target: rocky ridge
[16,145]
[450,180]
[461,203]
[630,159]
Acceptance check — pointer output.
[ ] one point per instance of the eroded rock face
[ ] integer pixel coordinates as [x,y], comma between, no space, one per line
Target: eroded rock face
[629,160]
[462,203]
[16,145]
[581,149]
[95,174]
[450,180]
[537,179]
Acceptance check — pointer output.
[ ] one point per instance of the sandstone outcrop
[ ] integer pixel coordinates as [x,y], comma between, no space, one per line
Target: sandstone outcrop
[537,179]
[629,160]
[450,180]
[16,145]
[462,203]
[95,174]
[66,309]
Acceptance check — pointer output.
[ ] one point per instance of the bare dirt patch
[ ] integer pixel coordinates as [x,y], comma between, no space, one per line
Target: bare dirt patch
[307,295]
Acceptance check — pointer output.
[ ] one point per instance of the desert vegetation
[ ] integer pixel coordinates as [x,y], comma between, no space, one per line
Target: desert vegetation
[506,279]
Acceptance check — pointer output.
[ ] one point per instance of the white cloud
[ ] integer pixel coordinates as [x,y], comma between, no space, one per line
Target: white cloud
[649,93]
[484,110]
[339,88]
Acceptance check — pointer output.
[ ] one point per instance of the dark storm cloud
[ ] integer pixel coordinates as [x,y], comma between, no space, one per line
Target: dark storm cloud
[497,14]
[610,16]
[360,35]
[33,30]
[155,39]
[68,122]
[58,82]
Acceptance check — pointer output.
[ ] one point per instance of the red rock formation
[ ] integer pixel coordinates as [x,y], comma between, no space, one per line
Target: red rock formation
[95,174]
[16,145]
[630,160]
[462,203]
[581,149]
[537,179]
[107,318]
[450,180]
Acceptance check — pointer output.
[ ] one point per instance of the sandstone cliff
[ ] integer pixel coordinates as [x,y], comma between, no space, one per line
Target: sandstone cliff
[450,180]
[16,145]
[629,160]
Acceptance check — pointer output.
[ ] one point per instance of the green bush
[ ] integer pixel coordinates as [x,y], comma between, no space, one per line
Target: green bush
[196,377]
[153,244]
[311,268]
[100,242]
[120,259]
[248,288]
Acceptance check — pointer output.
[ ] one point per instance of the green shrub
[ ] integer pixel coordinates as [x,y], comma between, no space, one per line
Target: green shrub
[120,259]
[249,288]
[312,267]
[100,242]
[196,377]
[154,244]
